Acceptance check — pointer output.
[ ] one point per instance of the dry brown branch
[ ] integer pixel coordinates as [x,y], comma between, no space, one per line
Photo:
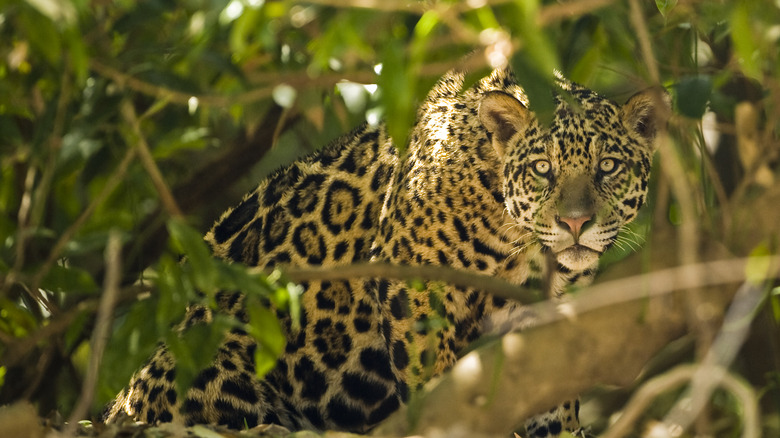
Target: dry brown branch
[102,327]
[494,285]
[609,293]
[23,216]
[561,11]
[17,349]
[718,358]
[601,336]
[300,80]
[168,201]
[113,181]
[638,21]
[673,379]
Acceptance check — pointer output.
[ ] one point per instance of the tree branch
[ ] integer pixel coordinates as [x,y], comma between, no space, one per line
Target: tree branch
[605,335]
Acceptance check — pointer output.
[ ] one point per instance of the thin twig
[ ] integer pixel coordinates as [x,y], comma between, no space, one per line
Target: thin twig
[102,325]
[113,181]
[494,285]
[23,229]
[561,11]
[16,349]
[638,21]
[301,80]
[150,165]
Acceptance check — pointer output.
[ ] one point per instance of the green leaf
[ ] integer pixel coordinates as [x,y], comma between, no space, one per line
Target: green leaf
[265,328]
[775,301]
[693,94]
[204,272]
[665,6]
[397,93]
[69,280]
[189,138]
[15,319]
[194,349]
[173,291]
[42,35]
[745,42]
[436,303]
[236,276]
[759,266]
[538,86]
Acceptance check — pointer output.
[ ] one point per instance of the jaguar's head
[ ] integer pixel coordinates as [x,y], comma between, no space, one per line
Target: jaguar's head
[574,183]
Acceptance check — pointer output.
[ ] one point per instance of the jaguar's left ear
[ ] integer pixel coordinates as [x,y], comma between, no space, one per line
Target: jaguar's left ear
[646,112]
[503,116]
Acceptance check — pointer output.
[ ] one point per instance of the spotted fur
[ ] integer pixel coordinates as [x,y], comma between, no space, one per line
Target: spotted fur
[483,187]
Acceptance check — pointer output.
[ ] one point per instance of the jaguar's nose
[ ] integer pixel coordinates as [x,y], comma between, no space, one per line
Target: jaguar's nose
[574,225]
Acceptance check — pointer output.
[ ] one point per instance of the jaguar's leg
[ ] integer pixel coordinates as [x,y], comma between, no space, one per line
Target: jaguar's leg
[551,423]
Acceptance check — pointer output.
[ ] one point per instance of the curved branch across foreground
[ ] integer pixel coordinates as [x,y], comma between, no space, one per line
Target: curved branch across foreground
[603,335]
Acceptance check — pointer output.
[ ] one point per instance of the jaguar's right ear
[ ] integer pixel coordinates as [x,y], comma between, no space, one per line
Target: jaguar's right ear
[503,116]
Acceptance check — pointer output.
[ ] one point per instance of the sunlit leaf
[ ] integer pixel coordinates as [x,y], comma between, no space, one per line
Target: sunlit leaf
[397,93]
[665,6]
[265,328]
[759,266]
[745,43]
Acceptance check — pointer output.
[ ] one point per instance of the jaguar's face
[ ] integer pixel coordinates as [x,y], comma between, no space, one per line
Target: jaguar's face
[574,184]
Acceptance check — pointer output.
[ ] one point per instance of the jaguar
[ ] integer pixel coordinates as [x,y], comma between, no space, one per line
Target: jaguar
[483,186]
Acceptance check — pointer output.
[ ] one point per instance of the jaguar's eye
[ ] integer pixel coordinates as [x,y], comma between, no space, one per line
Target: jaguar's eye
[608,165]
[541,167]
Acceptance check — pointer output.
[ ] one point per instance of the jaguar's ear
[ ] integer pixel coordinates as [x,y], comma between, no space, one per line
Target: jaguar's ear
[503,116]
[646,112]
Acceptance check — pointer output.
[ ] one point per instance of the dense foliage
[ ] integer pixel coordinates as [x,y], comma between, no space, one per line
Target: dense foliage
[139,122]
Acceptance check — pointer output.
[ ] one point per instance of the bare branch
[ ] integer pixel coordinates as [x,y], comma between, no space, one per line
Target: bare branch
[148,161]
[638,21]
[718,358]
[601,336]
[495,286]
[102,325]
[670,380]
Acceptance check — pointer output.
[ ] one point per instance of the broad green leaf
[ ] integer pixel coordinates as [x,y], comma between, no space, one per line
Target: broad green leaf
[194,349]
[665,6]
[174,291]
[189,138]
[236,276]
[15,319]
[265,328]
[43,35]
[538,86]
[135,337]
[745,43]
[774,298]
[76,329]
[204,273]
[69,280]
[436,303]
[693,94]
[397,93]
[759,266]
